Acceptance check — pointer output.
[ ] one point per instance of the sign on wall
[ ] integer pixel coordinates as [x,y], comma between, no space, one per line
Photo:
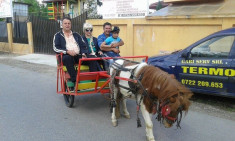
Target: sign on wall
[5,8]
[123,8]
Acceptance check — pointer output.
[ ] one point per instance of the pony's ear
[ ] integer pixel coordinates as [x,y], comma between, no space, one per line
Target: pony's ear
[172,100]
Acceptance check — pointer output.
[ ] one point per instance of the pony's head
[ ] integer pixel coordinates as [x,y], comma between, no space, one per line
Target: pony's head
[171,109]
[172,97]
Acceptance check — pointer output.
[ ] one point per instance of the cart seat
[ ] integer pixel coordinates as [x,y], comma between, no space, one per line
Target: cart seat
[82,68]
[83,85]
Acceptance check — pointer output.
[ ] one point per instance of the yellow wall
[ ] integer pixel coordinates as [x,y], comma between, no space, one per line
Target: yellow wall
[16,47]
[154,36]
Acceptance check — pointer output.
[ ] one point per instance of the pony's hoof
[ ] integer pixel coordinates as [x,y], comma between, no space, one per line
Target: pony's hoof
[150,139]
[114,124]
[127,116]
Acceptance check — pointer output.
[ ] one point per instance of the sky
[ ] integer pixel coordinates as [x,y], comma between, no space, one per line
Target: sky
[40,1]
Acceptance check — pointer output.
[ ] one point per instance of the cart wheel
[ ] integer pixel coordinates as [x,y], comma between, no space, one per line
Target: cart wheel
[69,100]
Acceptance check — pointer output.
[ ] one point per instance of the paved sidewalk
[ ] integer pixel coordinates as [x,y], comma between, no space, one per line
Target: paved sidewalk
[38,59]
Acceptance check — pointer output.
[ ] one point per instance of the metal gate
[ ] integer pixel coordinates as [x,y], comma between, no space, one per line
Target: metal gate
[20,34]
[45,29]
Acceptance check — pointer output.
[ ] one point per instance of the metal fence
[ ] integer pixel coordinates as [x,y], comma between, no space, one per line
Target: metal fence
[77,23]
[20,34]
[44,30]
[3,34]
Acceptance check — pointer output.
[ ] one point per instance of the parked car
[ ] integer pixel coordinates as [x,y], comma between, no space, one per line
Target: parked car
[207,66]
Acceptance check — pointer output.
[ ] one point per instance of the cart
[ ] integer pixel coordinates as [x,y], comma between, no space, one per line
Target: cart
[86,82]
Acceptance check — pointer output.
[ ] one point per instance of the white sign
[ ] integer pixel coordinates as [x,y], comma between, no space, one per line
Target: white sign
[6,8]
[123,8]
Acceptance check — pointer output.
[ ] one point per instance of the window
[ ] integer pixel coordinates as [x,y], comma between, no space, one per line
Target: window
[218,47]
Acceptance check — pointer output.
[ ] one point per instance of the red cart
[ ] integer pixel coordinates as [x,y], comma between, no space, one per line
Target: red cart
[86,82]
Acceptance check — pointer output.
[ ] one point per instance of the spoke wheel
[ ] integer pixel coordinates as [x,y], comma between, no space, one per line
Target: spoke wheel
[69,99]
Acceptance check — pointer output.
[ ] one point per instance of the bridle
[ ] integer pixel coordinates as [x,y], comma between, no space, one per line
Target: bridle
[164,111]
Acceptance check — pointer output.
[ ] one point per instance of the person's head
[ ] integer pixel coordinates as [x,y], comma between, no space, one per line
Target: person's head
[115,31]
[107,28]
[87,29]
[66,24]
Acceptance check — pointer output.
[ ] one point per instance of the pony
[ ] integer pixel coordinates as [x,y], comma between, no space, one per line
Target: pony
[154,90]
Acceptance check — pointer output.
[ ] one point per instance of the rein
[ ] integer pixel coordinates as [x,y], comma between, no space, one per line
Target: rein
[133,87]
[164,111]
[162,108]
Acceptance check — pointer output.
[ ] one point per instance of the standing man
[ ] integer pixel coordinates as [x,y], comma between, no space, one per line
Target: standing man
[72,46]
[107,27]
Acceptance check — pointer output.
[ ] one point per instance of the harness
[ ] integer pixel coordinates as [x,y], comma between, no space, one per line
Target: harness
[133,87]
[159,107]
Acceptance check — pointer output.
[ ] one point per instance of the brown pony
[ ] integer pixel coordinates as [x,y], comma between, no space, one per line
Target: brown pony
[155,91]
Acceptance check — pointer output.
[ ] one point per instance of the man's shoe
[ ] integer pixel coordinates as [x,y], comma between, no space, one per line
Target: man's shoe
[71,89]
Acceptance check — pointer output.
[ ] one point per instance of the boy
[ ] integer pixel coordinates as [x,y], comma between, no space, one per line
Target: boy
[110,43]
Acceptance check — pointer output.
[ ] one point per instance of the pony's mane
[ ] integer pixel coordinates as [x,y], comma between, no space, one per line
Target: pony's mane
[154,78]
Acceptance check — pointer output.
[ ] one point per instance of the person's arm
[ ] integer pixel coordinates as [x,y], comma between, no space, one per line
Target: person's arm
[57,47]
[95,41]
[109,48]
[100,40]
[121,43]
[82,45]
[105,47]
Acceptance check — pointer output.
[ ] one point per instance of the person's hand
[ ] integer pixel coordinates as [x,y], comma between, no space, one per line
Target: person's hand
[84,55]
[115,50]
[113,45]
[71,52]
[100,53]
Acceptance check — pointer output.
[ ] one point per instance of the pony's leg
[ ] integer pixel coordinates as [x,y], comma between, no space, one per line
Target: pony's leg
[117,109]
[125,111]
[113,117]
[148,122]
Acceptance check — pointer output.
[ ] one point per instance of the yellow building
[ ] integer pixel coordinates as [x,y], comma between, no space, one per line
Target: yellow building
[171,28]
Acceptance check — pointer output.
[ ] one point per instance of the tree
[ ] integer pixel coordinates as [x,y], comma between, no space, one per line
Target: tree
[34,6]
[92,9]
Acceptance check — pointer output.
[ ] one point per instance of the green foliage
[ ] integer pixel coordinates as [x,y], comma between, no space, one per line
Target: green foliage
[159,6]
[72,1]
[92,9]
[34,6]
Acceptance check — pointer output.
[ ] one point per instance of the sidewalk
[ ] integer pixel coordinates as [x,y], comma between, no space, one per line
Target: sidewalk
[38,59]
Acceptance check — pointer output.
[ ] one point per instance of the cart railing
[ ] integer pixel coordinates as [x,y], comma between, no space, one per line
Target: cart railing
[100,79]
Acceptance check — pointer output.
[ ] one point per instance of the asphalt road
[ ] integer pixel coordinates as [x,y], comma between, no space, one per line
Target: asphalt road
[30,110]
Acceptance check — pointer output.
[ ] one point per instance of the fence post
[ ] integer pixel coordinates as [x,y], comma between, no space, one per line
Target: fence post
[10,36]
[30,36]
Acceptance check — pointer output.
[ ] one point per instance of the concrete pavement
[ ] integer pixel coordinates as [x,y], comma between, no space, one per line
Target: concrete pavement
[38,59]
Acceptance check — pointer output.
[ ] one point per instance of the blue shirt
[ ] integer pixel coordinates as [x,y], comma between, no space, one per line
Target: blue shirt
[101,38]
[111,40]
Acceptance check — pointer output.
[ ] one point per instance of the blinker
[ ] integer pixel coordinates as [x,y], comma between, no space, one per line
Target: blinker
[166,110]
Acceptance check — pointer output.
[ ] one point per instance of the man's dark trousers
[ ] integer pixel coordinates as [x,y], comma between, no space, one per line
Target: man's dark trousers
[70,61]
